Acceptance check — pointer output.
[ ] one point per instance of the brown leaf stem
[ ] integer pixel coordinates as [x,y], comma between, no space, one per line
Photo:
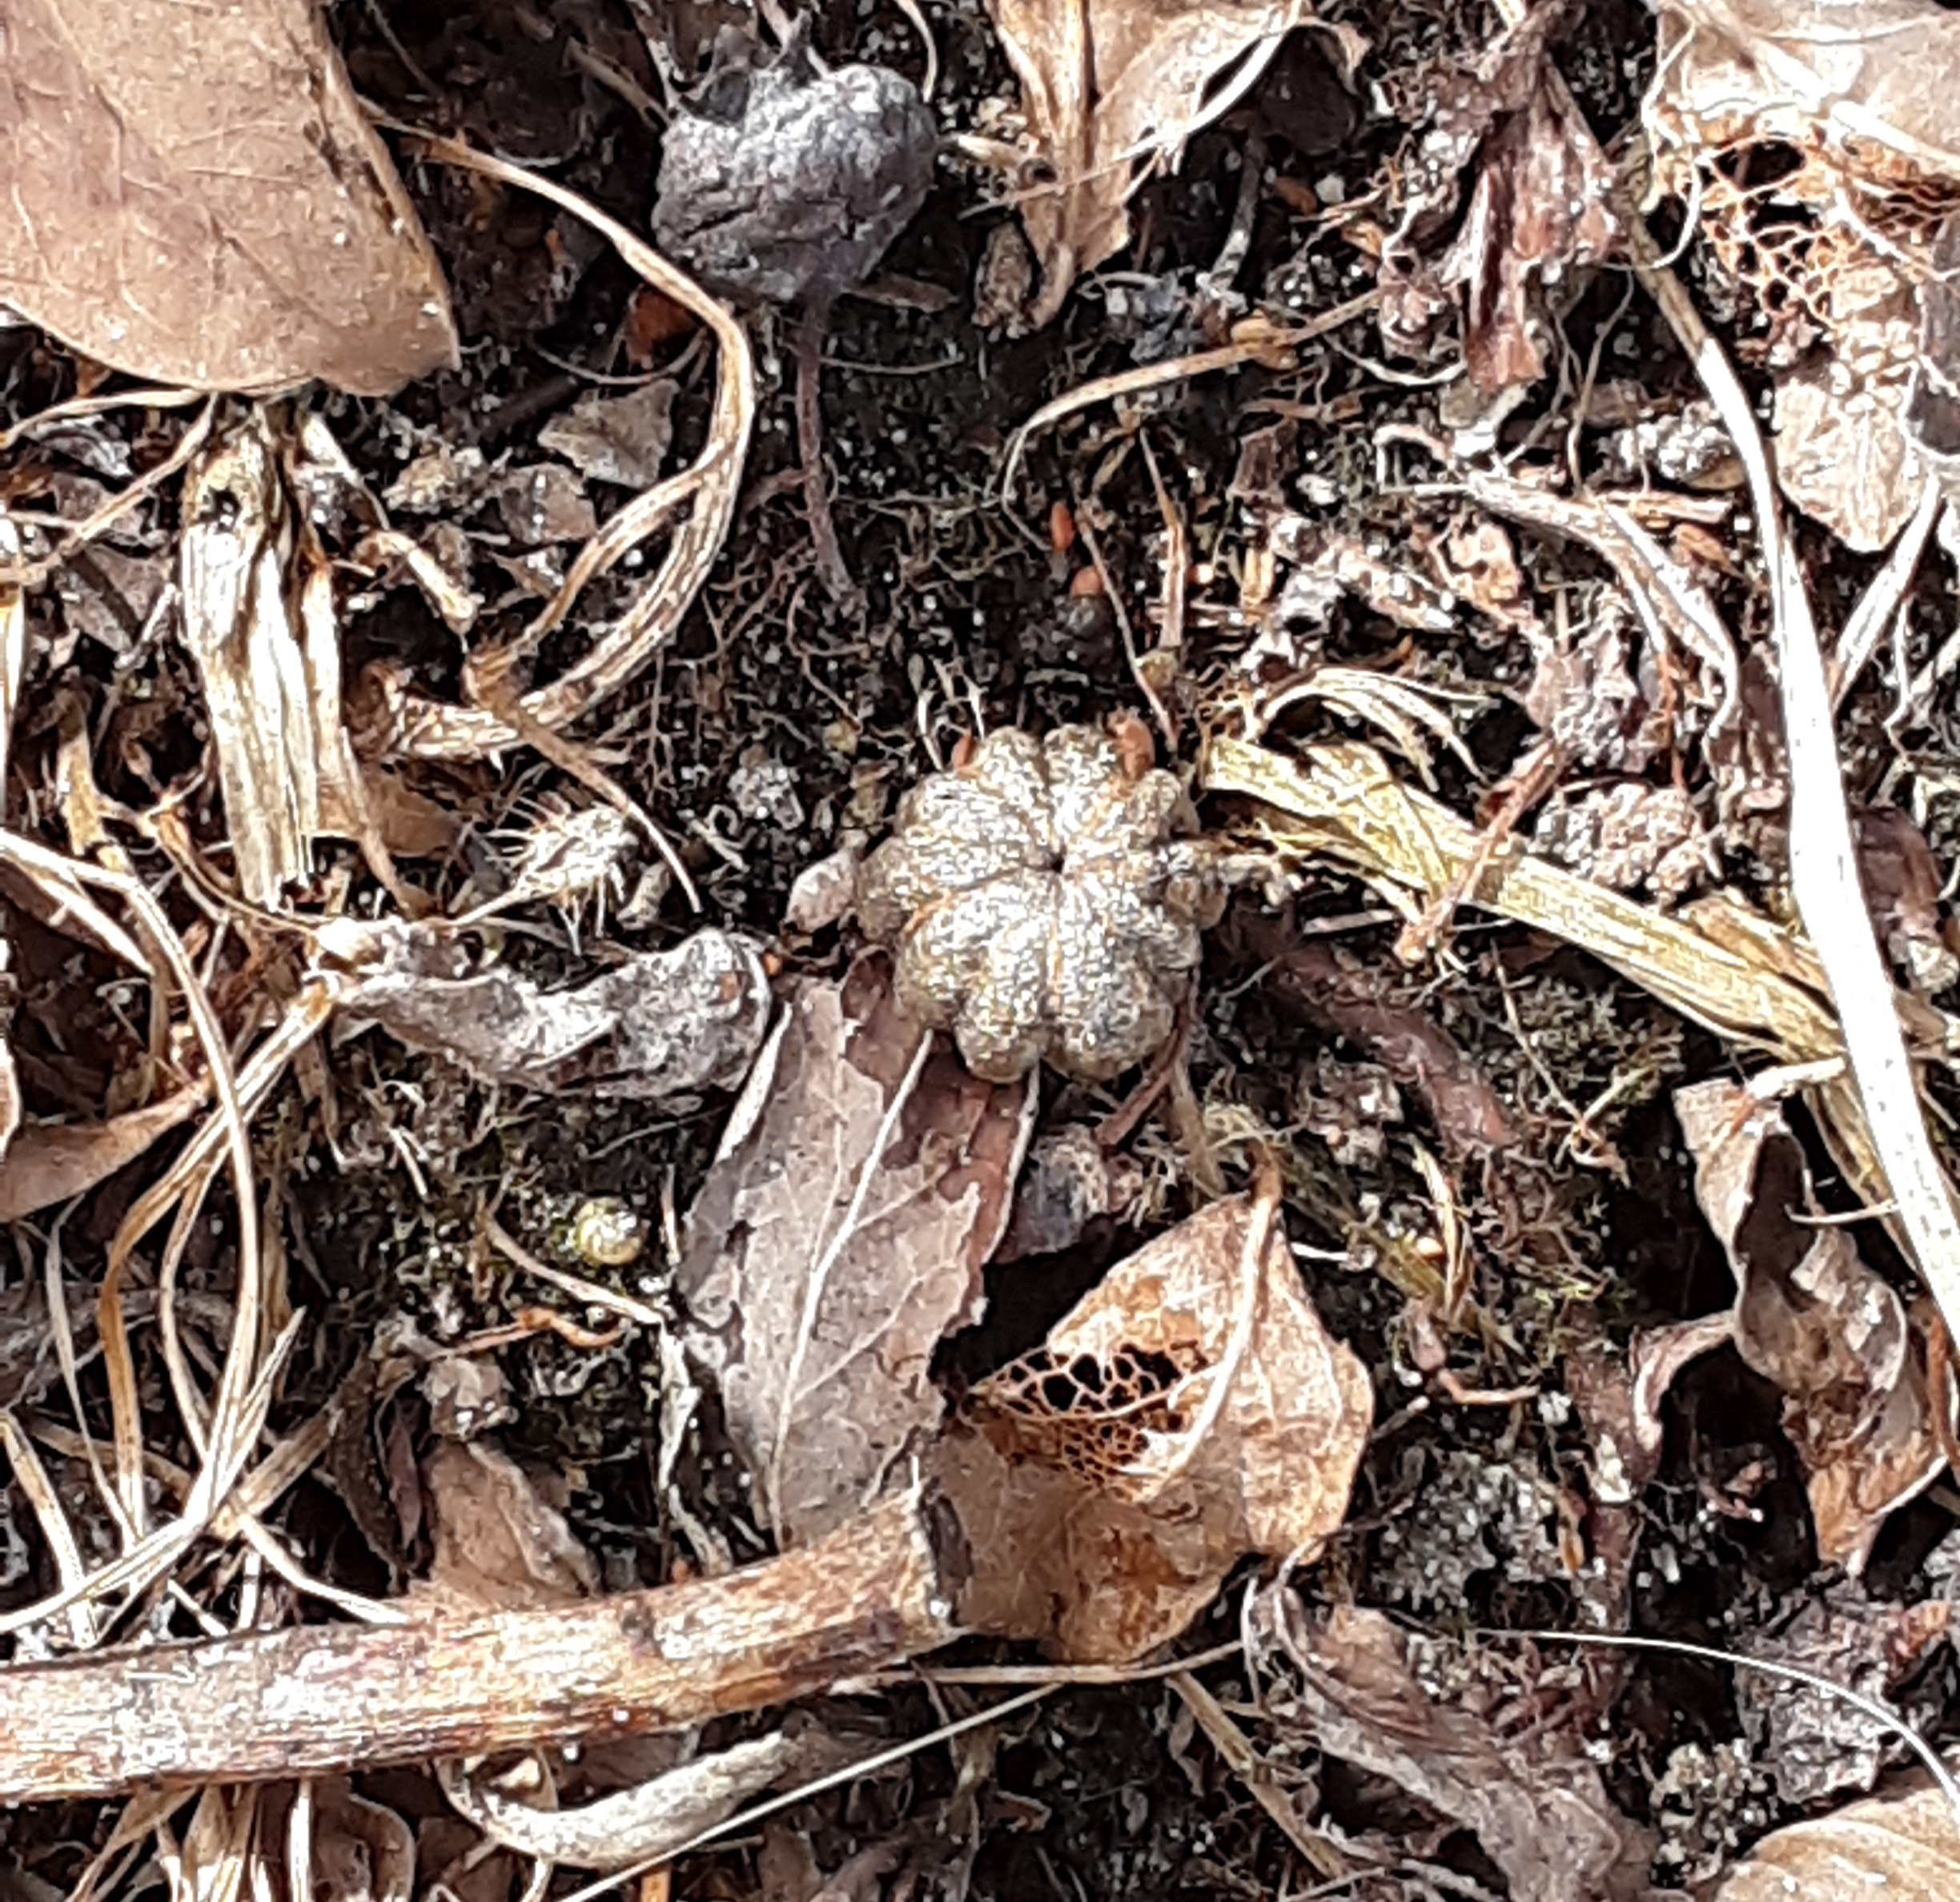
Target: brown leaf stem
[832,569]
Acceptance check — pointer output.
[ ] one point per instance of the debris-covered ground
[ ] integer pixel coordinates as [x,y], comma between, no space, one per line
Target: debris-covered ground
[979,950]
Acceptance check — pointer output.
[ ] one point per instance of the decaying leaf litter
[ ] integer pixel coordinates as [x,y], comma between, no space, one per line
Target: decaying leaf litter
[1354,795]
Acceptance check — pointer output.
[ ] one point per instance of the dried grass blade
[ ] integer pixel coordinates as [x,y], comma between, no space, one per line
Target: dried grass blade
[31,1477]
[1353,808]
[432,730]
[1824,875]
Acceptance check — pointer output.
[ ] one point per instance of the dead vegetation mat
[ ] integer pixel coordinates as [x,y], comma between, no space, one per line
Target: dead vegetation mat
[1149,1071]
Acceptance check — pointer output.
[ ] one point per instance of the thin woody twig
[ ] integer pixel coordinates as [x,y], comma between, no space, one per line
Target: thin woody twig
[318,1700]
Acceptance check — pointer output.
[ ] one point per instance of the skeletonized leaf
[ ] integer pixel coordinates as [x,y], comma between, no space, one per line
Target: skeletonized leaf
[865,1179]
[193,195]
[1103,1509]
[1859,98]
[1881,75]
[1906,1848]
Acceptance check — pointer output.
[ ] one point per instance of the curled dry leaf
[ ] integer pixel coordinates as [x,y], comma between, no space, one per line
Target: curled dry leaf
[193,194]
[658,1024]
[652,1820]
[1866,116]
[362,1851]
[1368,1694]
[866,1177]
[1104,1491]
[1900,880]
[1812,1318]
[1904,1848]
[232,561]
[1540,206]
[1539,209]
[47,1163]
[1105,83]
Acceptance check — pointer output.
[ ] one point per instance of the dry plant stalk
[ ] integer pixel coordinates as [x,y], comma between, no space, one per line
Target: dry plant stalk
[1882,1117]
[232,561]
[313,1701]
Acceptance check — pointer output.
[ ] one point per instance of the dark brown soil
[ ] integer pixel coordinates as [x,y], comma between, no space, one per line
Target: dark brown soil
[776,726]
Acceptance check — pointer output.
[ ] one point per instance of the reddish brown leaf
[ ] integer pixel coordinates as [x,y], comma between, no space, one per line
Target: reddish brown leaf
[193,195]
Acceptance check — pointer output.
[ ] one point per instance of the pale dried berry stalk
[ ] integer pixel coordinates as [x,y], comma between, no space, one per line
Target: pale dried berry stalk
[1038,904]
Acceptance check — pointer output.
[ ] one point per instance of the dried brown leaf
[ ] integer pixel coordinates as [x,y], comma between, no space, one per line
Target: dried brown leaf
[1842,453]
[1541,207]
[1901,879]
[1105,83]
[362,1851]
[866,1179]
[1803,72]
[616,439]
[193,194]
[1100,1520]
[1811,1318]
[47,1163]
[661,1024]
[1535,1801]
[1906,1848]
[500,1545]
